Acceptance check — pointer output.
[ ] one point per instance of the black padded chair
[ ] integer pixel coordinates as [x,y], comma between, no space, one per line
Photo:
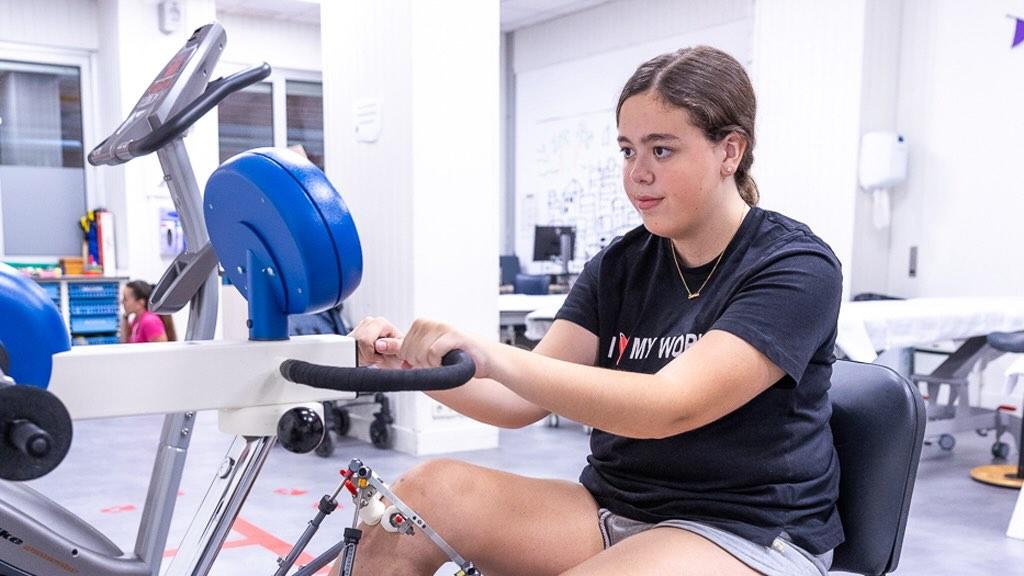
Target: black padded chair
[878,421]
[329,321]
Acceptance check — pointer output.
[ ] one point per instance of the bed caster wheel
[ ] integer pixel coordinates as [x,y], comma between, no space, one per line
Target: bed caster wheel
[380,435]
[947,442]
[342,421]
[1000,450]
[326,448]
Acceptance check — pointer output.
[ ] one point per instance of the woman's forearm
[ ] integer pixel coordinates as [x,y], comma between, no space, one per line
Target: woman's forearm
[490,402]
[625,403]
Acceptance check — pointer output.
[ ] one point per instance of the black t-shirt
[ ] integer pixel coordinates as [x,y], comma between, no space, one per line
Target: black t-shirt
[767,467]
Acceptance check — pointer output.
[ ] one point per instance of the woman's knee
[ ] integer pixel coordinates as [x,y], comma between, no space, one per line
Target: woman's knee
[437,481]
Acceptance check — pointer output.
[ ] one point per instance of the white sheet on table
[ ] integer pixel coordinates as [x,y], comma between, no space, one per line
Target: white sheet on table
[886,324]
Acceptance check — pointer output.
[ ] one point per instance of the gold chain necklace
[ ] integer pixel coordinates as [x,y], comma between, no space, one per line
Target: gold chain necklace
[692,295]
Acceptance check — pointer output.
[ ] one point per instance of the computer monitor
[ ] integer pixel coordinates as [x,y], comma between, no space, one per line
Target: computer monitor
[547,243]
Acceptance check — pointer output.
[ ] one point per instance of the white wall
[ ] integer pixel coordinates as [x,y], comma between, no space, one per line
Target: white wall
[960,107]
[617,25]
[281,43]
[66,24]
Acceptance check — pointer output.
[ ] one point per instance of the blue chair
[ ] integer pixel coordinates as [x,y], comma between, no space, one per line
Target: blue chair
[509,268]
[532,283]
[878,422]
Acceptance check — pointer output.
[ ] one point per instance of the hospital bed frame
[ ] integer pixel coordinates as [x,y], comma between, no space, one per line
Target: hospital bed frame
[956,412]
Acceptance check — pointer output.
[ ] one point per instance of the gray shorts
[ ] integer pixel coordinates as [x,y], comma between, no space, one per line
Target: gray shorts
[782,558]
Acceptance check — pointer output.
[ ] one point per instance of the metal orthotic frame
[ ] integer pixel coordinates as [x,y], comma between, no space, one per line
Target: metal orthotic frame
[364,485]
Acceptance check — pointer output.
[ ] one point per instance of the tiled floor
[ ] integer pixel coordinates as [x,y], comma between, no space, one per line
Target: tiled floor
[956,527]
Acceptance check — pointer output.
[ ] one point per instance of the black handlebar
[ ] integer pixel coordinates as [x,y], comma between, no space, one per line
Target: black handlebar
[215,91]
[456,369]
[175,126]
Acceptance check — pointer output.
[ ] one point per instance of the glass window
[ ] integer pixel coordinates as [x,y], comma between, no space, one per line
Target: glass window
[304,104]
[246,120]
[42,174]
[40,115]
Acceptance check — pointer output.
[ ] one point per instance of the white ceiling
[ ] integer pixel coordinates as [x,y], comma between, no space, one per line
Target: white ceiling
[307,11]
[515,14]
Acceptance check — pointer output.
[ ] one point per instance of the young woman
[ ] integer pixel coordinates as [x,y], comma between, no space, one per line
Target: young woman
[138,324]
[698,346]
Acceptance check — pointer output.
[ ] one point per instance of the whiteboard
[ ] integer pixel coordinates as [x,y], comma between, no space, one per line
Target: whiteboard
[568,164]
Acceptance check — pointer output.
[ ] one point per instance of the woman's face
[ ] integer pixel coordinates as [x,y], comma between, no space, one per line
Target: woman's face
[131,304]
[670,170]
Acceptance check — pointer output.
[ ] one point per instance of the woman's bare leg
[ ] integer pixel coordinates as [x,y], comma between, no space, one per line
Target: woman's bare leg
[663,551]
[505,524]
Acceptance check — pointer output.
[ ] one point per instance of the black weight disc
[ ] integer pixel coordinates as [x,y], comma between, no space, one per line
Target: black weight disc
[27,406]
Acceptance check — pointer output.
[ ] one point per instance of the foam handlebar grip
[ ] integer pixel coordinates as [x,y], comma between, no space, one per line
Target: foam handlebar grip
[456,369]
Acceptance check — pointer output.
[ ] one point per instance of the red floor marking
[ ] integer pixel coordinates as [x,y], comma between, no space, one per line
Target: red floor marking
[118,509]
[252,535]
[290,492]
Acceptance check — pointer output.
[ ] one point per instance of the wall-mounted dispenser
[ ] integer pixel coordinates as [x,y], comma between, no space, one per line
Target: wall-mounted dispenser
[883,164]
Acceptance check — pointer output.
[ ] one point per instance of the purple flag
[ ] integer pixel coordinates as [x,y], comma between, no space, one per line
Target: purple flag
[1018,34]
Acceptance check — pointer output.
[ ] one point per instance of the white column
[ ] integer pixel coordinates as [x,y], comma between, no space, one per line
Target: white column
[424,191]
[808,68]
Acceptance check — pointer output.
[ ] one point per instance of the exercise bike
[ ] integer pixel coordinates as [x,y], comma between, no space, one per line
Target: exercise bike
[286,240]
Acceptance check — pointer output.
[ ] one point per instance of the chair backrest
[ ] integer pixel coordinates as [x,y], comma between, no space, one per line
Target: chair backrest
[509,265]
[329,321]
[532,283]
[878,421]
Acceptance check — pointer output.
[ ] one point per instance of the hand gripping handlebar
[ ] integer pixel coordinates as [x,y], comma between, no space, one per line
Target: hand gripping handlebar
[456,369]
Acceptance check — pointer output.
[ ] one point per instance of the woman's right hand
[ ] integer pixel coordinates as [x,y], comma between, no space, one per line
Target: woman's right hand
[377,343]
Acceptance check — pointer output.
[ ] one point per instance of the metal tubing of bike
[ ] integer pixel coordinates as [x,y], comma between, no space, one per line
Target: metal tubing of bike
[202,542]
[176,434]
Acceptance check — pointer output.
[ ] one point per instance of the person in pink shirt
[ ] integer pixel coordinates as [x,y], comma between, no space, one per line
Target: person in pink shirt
[138,324]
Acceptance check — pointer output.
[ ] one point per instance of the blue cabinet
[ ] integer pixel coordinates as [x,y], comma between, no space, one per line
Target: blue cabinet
[91,307]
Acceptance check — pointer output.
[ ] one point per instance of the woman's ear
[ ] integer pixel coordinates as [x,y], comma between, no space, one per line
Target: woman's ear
[735,146]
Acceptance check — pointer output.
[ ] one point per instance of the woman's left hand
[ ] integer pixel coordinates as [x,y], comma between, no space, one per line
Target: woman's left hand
[427,342]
